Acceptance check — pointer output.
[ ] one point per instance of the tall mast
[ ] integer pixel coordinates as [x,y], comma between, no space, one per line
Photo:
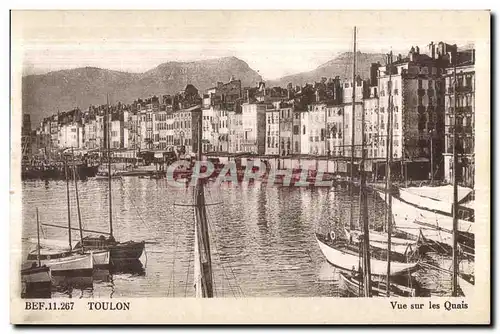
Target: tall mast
[365,245]
[352,128]
[38,237]
[454,280]
[77,201]
[108,121]
[67,198]
[203,261]
[388,183]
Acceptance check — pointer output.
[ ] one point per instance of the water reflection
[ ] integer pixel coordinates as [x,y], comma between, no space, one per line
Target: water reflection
[262,237]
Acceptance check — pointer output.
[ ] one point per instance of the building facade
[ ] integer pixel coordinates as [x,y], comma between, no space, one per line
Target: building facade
[460,103]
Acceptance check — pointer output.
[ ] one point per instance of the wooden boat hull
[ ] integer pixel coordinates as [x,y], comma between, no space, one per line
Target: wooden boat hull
[434,198]
[73,264]
[466,287]
[411,213]
[36,282]
[378,288]
[398,245]
[101,258]
[118,251]
[127,251]
[100,177]
[350,262]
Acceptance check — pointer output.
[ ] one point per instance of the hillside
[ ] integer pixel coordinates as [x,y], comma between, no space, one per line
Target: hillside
[339,66]
[45,94]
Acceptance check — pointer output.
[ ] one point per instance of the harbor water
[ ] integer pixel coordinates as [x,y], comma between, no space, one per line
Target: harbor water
[262,238]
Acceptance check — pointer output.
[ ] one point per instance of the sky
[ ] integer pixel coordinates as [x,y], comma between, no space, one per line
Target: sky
[274,43]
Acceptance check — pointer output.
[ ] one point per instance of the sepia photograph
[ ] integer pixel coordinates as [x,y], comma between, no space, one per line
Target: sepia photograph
[239,155]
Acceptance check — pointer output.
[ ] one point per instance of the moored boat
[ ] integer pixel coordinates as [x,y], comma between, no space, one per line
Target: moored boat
[439,199]
[65,263]
[104,175]
[466,283]
[379,240]
[378,288]
[345,255]
[36,281]
[118,251]
[430,225]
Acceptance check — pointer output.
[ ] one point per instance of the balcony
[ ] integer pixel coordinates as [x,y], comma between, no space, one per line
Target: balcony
[464,110]
[464,89]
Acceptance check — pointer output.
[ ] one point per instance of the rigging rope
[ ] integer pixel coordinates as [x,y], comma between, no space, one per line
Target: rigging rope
[238,288]
[171,281]
[133,204]
[189,260]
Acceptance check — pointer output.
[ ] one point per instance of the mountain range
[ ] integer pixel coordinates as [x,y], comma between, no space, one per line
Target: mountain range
[45,94]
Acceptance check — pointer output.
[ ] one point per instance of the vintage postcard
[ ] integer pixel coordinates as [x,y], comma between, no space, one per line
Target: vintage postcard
[262,167]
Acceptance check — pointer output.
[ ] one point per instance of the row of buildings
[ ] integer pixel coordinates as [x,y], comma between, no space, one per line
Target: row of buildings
[317,119]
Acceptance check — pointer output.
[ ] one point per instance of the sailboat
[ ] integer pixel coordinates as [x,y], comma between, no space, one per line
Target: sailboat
[378,289]
[36,280]
[119,251]
[431,226]
[345,253]
[66,263]
[100,257]
[438,199]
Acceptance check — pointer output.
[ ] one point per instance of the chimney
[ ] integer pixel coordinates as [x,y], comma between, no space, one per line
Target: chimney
[373,74]
[248,95]
[432,50]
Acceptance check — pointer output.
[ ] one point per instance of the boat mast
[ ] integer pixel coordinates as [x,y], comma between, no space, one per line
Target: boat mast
[38,237]
[108,121]
[364,208]
[77,201]
[454,280]
[388,185]
[352,129]
[68,201]
[203,262]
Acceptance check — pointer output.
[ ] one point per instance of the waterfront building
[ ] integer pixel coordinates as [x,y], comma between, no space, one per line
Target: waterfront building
[26,137]
[335,131]
[373,119]
[210,128]
[297,130]
[285,128]
[361,90]
[254,127]
[464,108]
[69,135]
[316,127]
[235,137]
[272,131]
[418,110]
[90,140]
[116,131]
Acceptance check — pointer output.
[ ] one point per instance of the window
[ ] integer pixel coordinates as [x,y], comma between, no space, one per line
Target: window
[468,81]
[295,129]
[303,129]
